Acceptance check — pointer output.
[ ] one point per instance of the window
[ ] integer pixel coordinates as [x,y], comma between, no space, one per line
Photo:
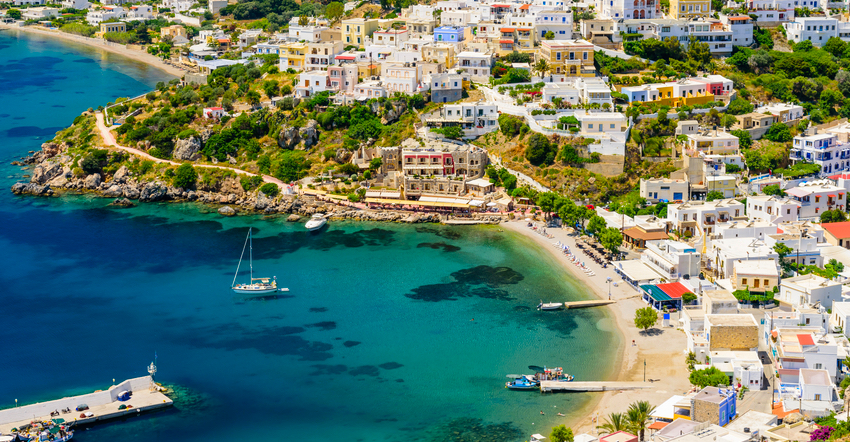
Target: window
[818,366]
[766,282]
[743,281]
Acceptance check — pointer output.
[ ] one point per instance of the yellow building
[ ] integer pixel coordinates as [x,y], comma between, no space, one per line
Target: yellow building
[292,56]
[689,8]
[572,58]
[113,27]
[441,53]
[172,32]
[355,30]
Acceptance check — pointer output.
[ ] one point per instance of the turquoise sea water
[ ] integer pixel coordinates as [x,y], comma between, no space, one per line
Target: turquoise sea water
[390,332]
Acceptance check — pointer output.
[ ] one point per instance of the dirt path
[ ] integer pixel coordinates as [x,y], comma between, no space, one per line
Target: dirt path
[109,140]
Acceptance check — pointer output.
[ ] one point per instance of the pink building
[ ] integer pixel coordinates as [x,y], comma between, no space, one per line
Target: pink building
[620,436]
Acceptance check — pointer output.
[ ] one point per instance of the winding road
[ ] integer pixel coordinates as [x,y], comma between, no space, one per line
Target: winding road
[109,140]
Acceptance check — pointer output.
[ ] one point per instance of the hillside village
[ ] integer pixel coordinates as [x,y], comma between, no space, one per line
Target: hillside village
[699,148]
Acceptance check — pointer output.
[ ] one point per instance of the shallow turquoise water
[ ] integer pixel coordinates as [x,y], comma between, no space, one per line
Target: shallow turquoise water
[390,332]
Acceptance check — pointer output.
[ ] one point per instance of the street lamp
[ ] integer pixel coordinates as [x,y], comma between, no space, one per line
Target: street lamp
[609,287]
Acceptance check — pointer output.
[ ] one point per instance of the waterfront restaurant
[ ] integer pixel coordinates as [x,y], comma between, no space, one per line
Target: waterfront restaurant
[667,295]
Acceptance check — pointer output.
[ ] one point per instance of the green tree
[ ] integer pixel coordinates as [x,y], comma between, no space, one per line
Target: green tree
[783,251]
[542,67]
[645,318]
[739,106]
[699,53]
[614,422]
[270,190]
[638,415]
[375,163]
[185,177]
[334,10]
[253,98]
[744,138]
[708,376]
[451,132]
[561,433]
[779,133]
[546,201]
[773,189]
[832,216]
[611,239]
[596,225]
[14,13]
[688,297]
[537,149]
[714,195]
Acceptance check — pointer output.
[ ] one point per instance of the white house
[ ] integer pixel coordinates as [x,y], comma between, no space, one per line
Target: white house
[400,77]
[96,16]
[672,259]
[823,149]
[772,209]
[476,64]
[140,13]
[745,229]
[475,119]
[565,91]
[784,112]
[725,252]
[816,197]
[664,189]
[741,366]
[809,289]
[75,4]
[758,276]
[311,83]
[687,216]
[40,13]
[839,317]
[817,30]
[214,113]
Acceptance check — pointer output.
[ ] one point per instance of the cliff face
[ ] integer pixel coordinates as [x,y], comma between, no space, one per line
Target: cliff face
[53,174]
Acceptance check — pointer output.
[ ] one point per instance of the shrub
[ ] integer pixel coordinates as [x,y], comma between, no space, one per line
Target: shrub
[185,177]
[270,189]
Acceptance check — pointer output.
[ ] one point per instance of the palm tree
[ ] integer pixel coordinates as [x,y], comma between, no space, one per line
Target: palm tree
[614,422]
[542,67]
[638,417]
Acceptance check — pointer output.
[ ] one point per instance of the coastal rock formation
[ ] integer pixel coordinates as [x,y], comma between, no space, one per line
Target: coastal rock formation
[122,202]
[392,115]
[231,185]
[154,191]
[131,191]
[121,175]
[114,191]
[46,171]
[289,137]
[310,133]
[188,149]
[55,174]
[92,181]
[205,135]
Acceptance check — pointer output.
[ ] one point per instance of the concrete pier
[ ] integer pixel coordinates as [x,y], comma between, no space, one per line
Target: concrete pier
[585,304]
[103,404]
[552,386]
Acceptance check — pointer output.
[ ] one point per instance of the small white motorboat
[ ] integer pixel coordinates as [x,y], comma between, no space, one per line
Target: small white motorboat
[549,306]
[317,221]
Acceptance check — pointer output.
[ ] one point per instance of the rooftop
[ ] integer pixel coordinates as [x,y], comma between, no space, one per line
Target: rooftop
[714,394]
[815,377]
[762,267]
[838,230]
[731,320]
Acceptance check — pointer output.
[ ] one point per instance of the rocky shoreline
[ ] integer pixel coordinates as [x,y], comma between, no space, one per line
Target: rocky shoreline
[52,175]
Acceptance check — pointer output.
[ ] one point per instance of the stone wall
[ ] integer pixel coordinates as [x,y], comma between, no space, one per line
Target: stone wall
[704,411]
[734,337]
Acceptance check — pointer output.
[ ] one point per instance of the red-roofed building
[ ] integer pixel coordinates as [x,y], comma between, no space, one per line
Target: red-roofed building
[805,340]
[837,234]
[674,290]
[214,113]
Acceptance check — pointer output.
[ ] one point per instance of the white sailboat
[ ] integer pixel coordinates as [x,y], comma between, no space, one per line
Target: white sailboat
[257,286]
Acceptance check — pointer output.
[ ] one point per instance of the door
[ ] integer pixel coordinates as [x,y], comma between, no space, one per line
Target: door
[677,196]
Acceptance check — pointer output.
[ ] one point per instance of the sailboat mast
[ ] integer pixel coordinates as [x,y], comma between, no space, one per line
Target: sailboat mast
[251,252]
[240,259]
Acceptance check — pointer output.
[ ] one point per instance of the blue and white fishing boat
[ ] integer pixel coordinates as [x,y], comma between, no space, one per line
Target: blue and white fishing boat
[526,382]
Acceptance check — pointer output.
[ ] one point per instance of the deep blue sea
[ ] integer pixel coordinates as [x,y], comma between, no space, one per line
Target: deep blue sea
[389,333]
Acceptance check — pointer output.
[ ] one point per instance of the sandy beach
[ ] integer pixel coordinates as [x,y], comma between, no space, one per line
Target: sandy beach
[663,352]
[115,48]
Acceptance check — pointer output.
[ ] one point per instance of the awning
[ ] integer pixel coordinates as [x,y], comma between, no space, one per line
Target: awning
[665,410]
[500,6]
[480,182]
[345,57]
[674,290]
[798,192]
[656,293]
[832,195]
[636,270]
[638,233]
[507,30]
[524,6]
[509,42]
